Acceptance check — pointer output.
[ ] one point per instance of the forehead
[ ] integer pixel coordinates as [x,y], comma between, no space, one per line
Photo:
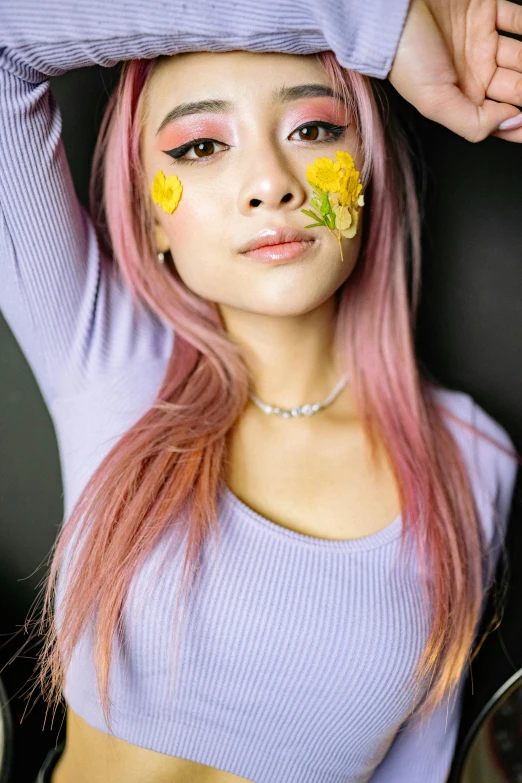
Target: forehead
[238,77]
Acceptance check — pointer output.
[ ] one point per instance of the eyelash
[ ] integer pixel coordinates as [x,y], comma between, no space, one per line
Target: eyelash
[178,152]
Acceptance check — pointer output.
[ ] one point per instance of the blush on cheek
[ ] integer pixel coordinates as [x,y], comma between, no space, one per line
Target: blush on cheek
[181,223]
[177,220]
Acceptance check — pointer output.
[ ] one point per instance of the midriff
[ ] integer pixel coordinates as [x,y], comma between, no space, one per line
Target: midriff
[92,756]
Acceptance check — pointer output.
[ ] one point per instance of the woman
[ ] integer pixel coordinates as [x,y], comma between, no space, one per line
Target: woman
[333,568]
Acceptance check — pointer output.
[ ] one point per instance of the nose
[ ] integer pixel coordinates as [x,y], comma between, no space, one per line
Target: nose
[270,184]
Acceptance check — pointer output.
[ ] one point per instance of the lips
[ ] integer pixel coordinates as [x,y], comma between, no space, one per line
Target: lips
[276,236]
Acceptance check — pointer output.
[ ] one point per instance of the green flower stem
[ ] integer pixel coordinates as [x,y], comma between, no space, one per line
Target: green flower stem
[326,215]
[338,237]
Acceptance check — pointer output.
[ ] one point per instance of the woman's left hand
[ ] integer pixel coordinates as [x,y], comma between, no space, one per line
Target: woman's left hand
[456,69]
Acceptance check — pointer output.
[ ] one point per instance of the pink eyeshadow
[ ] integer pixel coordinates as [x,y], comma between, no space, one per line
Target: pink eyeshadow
[185,129]
[193,127]
[317,109]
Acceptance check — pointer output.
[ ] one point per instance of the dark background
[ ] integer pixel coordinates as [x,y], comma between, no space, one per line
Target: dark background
[469,336]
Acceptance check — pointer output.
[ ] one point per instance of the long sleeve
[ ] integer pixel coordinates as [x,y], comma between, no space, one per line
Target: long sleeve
[66,305]
[61,298]
[59,36]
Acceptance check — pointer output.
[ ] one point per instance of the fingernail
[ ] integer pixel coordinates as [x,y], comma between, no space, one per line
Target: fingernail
[513,122]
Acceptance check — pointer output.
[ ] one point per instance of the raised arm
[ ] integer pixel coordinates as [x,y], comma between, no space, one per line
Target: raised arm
[364,34]
[53,281]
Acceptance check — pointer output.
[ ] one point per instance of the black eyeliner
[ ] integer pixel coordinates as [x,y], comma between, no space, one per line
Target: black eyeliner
[336,130]
[177,152]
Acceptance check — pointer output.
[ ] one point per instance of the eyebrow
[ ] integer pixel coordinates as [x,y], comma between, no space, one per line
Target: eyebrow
[282,95]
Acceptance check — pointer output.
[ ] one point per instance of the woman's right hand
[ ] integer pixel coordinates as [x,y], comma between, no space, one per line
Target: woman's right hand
[455,68]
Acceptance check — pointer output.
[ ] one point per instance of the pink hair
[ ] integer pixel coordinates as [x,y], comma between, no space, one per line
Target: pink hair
[173,458]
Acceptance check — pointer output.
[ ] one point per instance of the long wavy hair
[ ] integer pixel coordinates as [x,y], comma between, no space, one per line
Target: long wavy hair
[174,457]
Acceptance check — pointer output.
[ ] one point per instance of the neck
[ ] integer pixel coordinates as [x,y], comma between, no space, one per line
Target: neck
[291,358]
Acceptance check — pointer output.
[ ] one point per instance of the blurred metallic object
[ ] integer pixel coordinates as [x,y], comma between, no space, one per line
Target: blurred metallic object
[492,750]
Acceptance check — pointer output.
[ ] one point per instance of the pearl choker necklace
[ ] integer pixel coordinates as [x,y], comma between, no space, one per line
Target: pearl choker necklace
[302,410]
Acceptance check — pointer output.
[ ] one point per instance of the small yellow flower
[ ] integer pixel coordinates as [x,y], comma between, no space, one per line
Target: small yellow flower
[166,191]
[350,189]
[345,160]
[324,172]
[337,197]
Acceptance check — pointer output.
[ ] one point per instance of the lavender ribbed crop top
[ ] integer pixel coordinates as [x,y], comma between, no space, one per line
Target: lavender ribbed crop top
[298,651]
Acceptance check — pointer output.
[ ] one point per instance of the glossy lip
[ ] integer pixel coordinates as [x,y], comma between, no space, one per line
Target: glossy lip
[277,236]
[280,253]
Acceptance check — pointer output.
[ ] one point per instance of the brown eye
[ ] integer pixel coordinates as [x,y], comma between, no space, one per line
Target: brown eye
[198,149]
[309,133]
[203,149]
[318,132]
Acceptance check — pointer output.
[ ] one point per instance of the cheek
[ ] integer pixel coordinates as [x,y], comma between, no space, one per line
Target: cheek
[178,224]
[197,222]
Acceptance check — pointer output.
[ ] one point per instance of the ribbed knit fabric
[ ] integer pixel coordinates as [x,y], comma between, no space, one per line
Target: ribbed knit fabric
[298,651]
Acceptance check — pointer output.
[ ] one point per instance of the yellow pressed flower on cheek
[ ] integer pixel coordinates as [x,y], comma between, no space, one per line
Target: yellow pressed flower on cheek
[166,191]
[352,228]
[350,189]
[325,173]
[345,160]
[343,215]
[337,195]
[343,218]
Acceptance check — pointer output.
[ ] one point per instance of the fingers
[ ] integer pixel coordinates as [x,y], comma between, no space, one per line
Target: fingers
[448,105]
[425,72]
[509,17]
[514,135]
[506,86]
[509,53]
[506,83]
